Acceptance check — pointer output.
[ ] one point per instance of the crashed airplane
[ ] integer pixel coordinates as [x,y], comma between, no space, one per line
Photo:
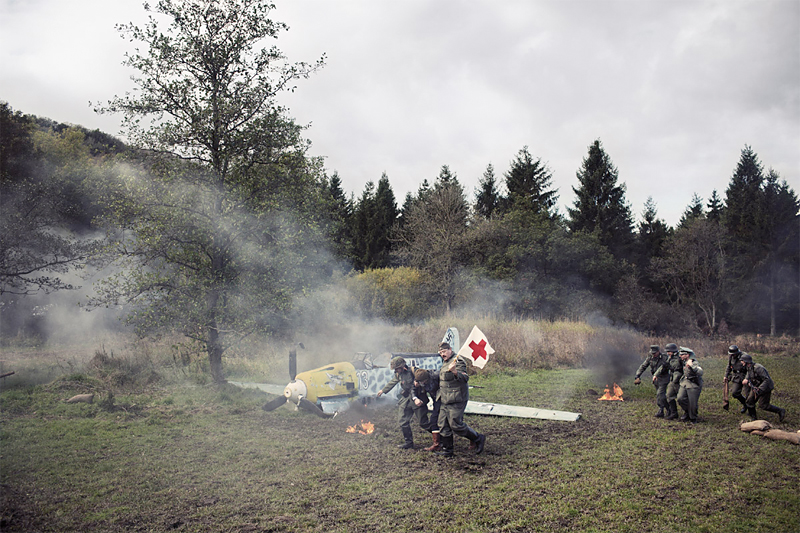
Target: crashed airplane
[330,389]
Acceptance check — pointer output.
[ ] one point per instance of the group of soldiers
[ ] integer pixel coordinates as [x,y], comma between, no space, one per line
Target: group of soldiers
[450,392]
[678,380]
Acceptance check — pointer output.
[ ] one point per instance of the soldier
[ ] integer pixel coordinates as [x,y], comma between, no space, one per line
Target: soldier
[734,375]
[429,385]
[654,361]
[691,385]
[405,404]
[673,370]
[761,386]
[454,395]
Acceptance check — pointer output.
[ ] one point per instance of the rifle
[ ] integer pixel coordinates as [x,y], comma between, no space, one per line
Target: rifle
[725,403]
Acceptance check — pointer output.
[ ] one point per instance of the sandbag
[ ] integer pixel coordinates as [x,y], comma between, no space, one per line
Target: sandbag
[760,425]
[85,398]
[778,434]
[759,433]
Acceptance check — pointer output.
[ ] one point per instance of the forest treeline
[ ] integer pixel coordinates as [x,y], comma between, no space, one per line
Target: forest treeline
[216,221]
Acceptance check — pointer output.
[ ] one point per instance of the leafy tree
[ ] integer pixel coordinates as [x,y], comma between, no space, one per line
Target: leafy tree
[600,205]
[488,197]
[42,210]
[432,239]
[695,275]
[527,182]
[208,239]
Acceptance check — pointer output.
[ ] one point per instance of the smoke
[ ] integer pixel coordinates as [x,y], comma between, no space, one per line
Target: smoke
[614,356]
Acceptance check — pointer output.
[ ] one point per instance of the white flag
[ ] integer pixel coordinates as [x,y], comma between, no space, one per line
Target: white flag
[476,348]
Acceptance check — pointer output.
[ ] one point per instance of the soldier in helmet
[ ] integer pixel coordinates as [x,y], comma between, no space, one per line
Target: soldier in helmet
[654,360]
[691,385]
[734,375]
[454,394]
[405,404]
[673,369]
[761,387]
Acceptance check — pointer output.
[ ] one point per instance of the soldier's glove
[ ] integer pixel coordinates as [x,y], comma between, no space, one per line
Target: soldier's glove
[637,381]
[726,405]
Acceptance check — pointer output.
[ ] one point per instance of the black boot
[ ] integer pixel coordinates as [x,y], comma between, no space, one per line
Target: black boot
[752,412]
[781,412]
[447,446]
[660,413]
[409,439]
[672,410]
[477,440]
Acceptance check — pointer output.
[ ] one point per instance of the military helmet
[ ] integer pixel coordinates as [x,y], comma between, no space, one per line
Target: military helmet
[655,348]
[397,362]
[421,375]
[671,347]
[745,358]
[733,349]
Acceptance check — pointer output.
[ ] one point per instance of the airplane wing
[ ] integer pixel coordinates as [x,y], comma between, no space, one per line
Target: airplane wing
[270,388]
[498,409]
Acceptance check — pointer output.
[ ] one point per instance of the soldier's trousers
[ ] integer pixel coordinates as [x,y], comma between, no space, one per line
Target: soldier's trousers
[451,421]
[739,391]
[762,399]
[672,391]
[408,411]
[688,398]
[661,393]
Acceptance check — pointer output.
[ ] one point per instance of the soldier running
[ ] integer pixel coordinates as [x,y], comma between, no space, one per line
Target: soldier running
[654,360]
[673,369]
[734,375]
[761,387]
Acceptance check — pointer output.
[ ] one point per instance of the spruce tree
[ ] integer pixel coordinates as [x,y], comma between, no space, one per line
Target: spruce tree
[488,198]
[528,183]
[600,205]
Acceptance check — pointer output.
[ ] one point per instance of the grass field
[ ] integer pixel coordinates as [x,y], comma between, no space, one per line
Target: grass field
[177,456]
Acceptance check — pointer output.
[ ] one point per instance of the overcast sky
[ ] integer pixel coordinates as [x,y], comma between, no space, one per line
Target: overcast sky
[673,89]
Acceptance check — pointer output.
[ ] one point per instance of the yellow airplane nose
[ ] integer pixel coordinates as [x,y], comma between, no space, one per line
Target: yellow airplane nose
[295,390]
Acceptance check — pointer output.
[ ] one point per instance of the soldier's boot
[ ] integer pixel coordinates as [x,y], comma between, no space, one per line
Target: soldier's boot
[684,417]
[409,439]
[437,443]
[447,446]
[744,406]
[660,413]
[752,412]
[672,410]
[781,412]
[477,441]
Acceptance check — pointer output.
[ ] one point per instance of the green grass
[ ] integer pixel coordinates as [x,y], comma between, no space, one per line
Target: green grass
[199,458]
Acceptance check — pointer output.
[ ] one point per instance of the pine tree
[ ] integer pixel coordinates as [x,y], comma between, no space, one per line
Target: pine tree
[527,182]
[488,198]
[715,207]
[742,198]
[600,206]
[692,212]
[651,235]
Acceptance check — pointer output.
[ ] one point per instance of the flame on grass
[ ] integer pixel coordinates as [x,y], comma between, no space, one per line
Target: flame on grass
[616,396]
[365,428]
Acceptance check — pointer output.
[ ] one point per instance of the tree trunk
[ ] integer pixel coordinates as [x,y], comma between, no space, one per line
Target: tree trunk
[772,328]
[214,349]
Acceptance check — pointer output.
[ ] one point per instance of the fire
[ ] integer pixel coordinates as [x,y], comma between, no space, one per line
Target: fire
[365,428]
[616,396]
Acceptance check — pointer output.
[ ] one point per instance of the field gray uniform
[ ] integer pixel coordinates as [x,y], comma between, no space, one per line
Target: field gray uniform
[761,387]
[405,404]
[734,374]
[454,395]
[673,370]
[691,385]
[655,361]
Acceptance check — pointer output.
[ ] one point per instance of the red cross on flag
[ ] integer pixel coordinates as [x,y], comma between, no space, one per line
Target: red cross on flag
[476,348]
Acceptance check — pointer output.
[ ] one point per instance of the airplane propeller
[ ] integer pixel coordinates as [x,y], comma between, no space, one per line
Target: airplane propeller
[303,404]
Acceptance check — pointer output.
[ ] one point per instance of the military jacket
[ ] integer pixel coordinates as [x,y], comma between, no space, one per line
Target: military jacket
[735,368]
[406,380]
[654,361]
[758,377]
[672,367]
[454,388]
[692,376]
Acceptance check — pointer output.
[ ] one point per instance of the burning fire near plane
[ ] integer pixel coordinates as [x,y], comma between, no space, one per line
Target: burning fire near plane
[616,396]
